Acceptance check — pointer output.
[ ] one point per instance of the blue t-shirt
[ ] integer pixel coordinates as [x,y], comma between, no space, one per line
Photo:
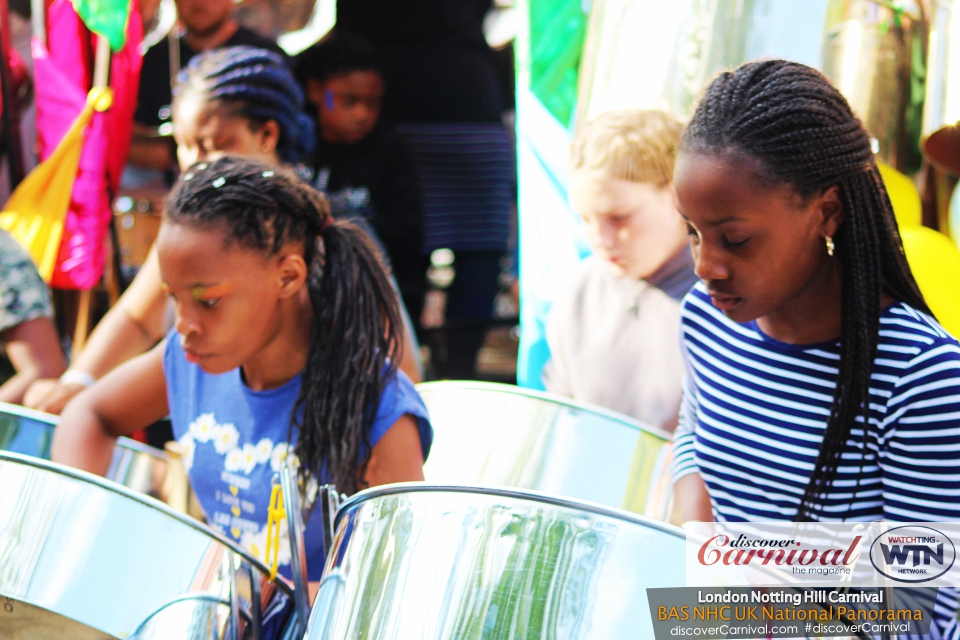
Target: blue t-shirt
[234,440]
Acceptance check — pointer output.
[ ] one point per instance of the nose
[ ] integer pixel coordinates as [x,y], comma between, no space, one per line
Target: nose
[708,265]
[187,324]
[602,234]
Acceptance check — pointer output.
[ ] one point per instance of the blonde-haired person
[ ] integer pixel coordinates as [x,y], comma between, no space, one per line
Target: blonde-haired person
[614,335]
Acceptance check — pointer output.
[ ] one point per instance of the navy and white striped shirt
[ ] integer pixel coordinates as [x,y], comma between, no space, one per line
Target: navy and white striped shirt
[755,409]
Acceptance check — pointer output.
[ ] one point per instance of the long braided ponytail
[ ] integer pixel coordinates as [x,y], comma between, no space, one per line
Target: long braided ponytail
[801,129]
[355,334]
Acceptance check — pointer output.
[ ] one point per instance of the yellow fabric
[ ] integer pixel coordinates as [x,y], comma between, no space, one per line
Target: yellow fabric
[903,195]
[935,262]
[36,210]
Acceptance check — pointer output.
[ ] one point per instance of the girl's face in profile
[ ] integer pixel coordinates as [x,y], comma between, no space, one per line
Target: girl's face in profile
[757,247]
[205,131]
[227,297]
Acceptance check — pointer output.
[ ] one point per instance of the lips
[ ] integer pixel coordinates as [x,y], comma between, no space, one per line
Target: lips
[192,356]
[725,302]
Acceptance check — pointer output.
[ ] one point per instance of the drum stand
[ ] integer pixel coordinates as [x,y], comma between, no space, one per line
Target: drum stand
[298,552]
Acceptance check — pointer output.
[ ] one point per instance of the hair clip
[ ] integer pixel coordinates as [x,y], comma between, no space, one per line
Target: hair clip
[219,182]
[267,174]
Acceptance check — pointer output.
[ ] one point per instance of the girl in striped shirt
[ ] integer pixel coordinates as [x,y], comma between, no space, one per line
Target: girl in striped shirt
[818,385]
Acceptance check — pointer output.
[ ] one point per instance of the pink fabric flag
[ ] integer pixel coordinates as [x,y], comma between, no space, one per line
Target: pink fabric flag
[63,71]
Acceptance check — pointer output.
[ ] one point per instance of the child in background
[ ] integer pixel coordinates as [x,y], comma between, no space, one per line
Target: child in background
[286,340]
[27,331]
[613,336]
[366,170]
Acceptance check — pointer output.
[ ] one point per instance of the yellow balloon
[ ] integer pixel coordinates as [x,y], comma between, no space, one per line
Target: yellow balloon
[935,262]
[903,195]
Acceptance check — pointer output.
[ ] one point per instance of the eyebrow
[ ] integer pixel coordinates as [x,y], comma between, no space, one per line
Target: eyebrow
[716,223]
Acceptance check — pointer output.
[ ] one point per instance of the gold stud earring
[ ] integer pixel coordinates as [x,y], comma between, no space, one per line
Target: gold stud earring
[265,148]
[830,245]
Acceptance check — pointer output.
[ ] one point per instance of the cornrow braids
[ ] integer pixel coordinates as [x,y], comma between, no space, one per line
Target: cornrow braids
[354,340]
[803,133]
[258,86]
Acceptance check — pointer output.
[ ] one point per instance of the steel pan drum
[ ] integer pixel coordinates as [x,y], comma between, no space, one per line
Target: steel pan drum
[82,557]
[30,433]
[439,563]
[497,434]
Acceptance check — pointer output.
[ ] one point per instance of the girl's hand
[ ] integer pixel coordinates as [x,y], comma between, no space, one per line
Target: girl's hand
[690,501]
[51,395]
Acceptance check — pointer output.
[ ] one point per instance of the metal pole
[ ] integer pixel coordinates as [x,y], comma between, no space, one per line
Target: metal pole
[38,20]
[11,111]
[298,553]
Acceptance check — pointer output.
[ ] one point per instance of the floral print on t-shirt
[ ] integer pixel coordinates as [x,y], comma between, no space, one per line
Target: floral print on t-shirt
[223,441]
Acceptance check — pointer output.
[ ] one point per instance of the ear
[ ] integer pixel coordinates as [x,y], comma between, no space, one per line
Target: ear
[315,91]
[269,135]
[831,211]
[291,272]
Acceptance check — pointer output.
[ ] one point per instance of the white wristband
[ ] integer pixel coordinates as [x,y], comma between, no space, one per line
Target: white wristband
[75,376]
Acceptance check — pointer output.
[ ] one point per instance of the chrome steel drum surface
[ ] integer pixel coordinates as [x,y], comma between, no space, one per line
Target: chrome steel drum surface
[457,562]
[84,557]
[134,465]
[497,434]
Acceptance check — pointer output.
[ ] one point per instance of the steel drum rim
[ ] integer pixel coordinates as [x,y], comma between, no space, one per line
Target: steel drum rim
[146,500]
[52,420]
[504,492]
[543,395]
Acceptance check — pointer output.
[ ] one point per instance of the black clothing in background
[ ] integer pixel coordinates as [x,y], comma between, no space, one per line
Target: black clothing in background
[155,94]
[437,63]
[377,180]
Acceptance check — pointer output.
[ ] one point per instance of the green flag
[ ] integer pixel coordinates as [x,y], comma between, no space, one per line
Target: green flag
[107,18]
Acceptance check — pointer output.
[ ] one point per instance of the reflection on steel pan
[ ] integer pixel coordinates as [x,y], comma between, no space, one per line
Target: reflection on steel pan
[134,465]
[496,434]
[874,54]
[82,557]
[684,44]
[432,562]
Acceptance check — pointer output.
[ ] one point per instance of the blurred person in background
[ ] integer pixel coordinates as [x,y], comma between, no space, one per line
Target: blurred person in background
[444,94]
[614,335]
[366,170]
[27,331]
[206,25]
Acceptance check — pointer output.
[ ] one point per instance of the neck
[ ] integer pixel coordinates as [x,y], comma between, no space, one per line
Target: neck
[212,38]
[813,314]
[285,354]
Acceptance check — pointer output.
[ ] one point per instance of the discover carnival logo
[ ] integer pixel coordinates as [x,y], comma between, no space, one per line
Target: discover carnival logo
[779,552]
[912,554]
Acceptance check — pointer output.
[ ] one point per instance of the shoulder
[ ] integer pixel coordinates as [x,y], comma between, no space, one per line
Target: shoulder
[254,39]
[918,353]
[180,374]
[399,398]
[591,282]
[158,54]
[23,293]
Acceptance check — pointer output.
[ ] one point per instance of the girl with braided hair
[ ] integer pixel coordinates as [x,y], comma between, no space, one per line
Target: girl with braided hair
[819,386]
[279,353]
[238,100]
